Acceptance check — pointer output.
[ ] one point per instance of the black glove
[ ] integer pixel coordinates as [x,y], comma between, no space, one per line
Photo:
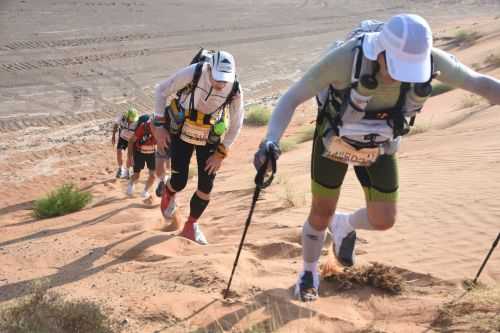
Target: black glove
[265,148]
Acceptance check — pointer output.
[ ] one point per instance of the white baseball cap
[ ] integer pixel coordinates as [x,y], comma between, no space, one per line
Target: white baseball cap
[223,66]
[407,42]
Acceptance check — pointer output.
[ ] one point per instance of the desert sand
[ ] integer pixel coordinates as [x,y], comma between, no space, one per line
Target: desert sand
[67,67]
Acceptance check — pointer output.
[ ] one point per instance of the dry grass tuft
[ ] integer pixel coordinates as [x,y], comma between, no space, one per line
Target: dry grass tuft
[376,275]
[471,101]
[369,330]
[465,38]
[48,312]
[469,284]
[419,128]
[293,196]
[493,60]
[304,134]
[476,311]
[257,115]
[63,200]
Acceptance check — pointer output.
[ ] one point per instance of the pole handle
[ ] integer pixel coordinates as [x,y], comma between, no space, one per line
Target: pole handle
[260,180]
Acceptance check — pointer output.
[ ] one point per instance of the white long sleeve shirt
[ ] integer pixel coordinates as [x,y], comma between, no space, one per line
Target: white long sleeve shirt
[206,99]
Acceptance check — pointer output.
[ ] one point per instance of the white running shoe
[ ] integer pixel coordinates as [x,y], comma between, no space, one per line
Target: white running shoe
[130,189]
[344,239]
[199,237]
[307,286]
[145,194]
[124,173]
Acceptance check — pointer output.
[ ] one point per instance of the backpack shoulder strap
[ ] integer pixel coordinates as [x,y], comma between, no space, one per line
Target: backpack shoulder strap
[358,60]
[197,74]
[234,91]
[192,86]
[229,99]
[194,82]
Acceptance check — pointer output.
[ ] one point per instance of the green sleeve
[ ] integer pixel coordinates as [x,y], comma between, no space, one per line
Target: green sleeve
[451,71]
[335,68]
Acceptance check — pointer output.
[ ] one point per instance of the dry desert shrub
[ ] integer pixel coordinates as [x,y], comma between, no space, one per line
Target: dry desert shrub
[44,312]
[464,37]
[470,101]
[304,134]
[476,311]
[64,200]
[369,330]
[257,115]
[419,128]
[493,60]
[294,196]
[375,275]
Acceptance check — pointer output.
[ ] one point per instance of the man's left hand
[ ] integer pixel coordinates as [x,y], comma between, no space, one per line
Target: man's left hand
[213,164]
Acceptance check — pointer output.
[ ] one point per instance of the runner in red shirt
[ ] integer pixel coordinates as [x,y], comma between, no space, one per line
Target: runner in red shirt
[143,154]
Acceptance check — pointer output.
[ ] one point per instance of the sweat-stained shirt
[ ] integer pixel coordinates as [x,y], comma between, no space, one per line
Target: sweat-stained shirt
[206,99]
[335,68]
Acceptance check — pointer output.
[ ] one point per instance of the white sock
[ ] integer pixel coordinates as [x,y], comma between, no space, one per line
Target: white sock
[311,267]
[312,243]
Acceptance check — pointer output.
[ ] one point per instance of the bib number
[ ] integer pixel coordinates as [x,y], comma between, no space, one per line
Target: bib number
[195,134]
[338,150]
[147,149]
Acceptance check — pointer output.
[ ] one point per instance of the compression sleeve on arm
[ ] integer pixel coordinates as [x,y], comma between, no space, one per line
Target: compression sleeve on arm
[170,86]
[458,75]
[334,68]
[483,85]
[284,110]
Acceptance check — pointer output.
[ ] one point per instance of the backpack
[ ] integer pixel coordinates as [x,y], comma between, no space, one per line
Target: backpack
[147,133]
[332,98]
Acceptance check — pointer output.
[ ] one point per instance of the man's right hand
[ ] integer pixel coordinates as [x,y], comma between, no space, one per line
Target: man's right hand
[162,138]
[265,148]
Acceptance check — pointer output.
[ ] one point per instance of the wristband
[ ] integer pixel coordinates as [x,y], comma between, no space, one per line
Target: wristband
[221,151]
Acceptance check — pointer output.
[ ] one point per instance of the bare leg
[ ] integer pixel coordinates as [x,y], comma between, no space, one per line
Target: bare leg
[381,215]
[149,182]
[119,157]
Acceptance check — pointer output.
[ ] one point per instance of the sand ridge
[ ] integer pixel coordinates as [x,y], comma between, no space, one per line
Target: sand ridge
[114,252]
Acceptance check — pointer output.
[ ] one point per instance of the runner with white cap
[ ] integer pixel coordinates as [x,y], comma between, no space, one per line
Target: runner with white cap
[205,114]
[372,86]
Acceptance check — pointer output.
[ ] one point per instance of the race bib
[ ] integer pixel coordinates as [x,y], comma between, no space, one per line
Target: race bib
[147,149]
[338,150]
[195,134]
[126,134]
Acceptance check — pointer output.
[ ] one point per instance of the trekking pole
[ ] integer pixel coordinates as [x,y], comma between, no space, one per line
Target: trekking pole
[260,184]
[495,243]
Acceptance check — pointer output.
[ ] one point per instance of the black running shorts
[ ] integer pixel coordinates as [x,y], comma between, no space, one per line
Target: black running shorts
[380,181]
[141,160]
[122,144]
[181,153]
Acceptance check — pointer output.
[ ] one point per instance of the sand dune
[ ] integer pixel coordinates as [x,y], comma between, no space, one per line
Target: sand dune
[115,252]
